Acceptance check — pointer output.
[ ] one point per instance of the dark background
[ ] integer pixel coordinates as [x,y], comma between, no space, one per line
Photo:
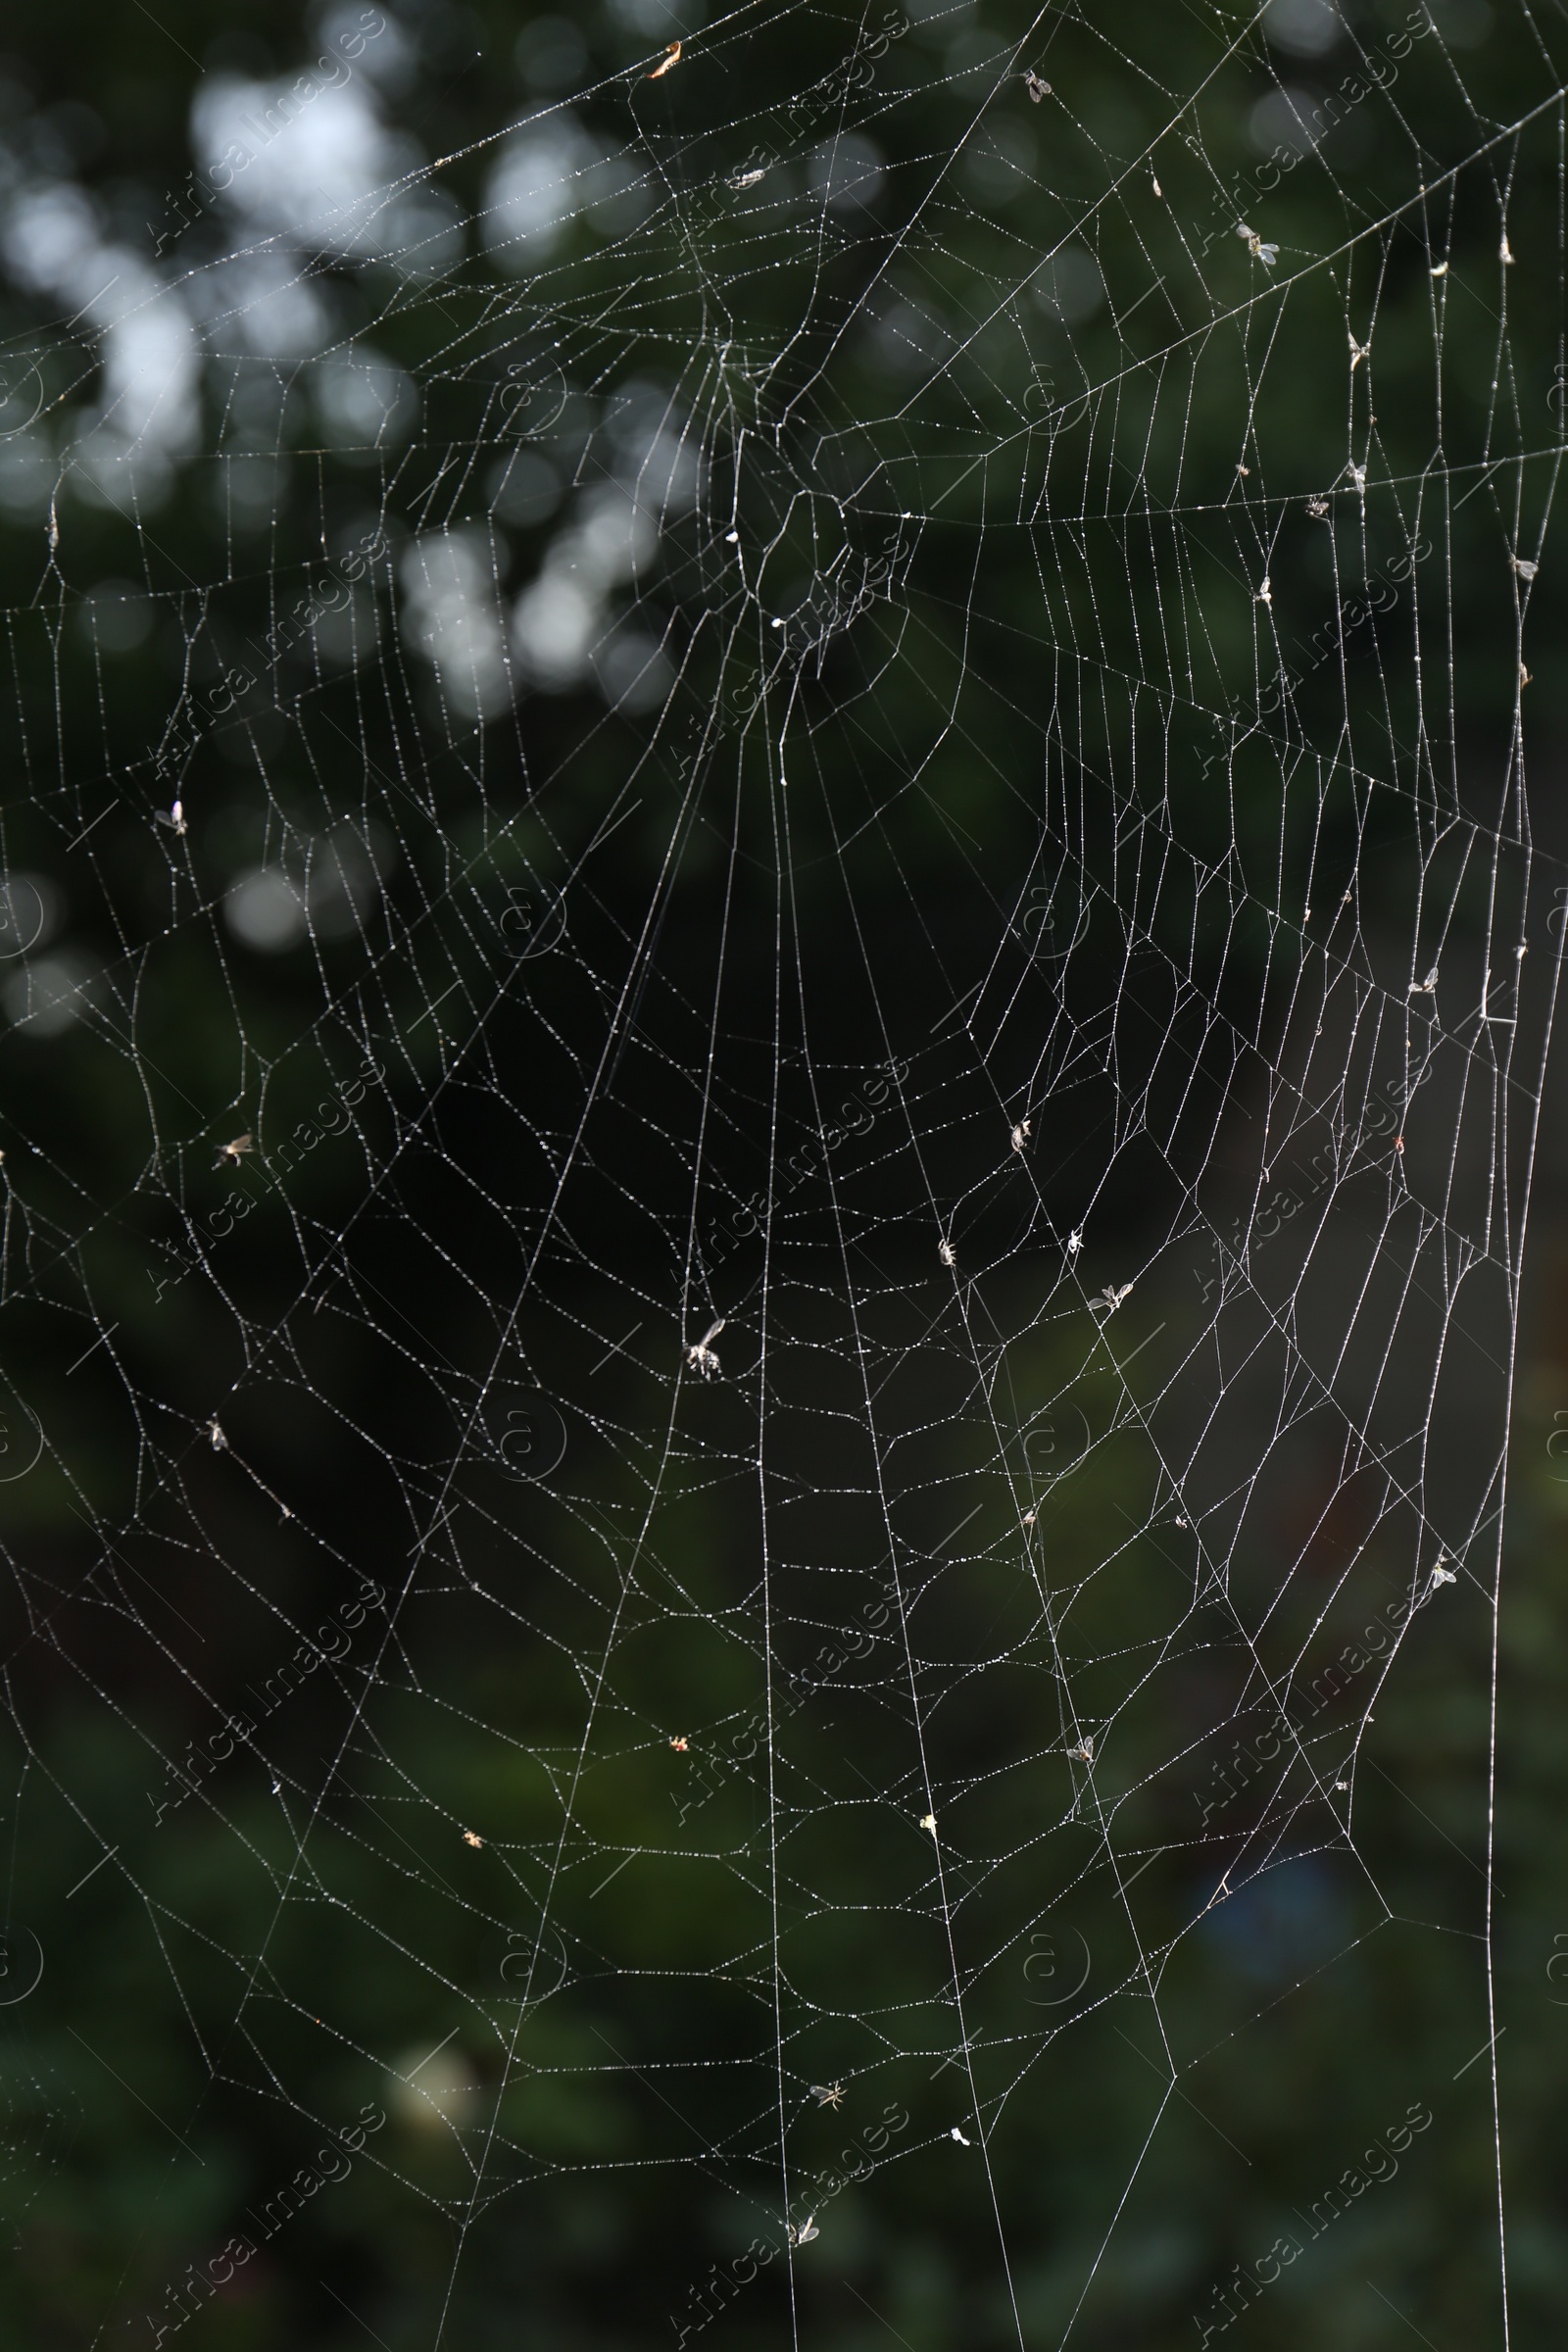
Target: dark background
[536,989]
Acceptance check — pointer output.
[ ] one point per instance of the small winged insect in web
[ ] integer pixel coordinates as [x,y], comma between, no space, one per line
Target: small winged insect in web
[1021,1135]
[827,2094]
[671,60]
[231,1152]
[1113,1297]
[173,819]
[1036,88]
[807,2230]
[701,1358]
[1084,1752]
[946,1253]
[1269,255]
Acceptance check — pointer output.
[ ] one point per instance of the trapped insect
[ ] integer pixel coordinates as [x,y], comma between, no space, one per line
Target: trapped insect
[1113,1298]
[1317,508]
[701,1358]
[232,1151]
[807,2230]
[827,2094]
[671,61]
[946,1253]
[1084,1752]
[1036,88]
[1269,255]
[1426,987]
[173,819]
[1021,1135]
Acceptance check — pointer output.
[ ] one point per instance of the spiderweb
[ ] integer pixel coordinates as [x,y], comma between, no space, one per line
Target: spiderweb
[812,774]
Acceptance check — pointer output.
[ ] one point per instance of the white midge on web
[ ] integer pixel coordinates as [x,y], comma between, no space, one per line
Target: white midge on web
[702,1357]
